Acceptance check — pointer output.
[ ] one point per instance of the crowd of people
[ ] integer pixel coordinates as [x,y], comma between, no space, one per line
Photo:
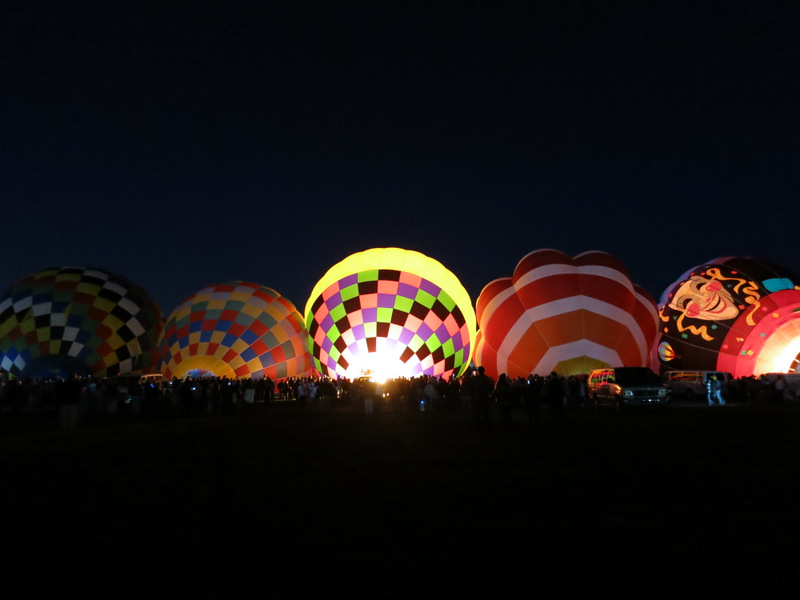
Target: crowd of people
[152,397]
[475,391]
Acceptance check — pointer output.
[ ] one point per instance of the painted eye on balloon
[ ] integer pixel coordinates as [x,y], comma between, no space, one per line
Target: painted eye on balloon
[692,309]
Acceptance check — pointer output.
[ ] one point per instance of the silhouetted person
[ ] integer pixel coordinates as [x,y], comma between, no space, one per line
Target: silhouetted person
[302,394]
[531,396]
[151,396]
[453,393]
[779,389]
[573,391]
[554,392]
[505,400]
[269,389]
[226,393]
[481,388]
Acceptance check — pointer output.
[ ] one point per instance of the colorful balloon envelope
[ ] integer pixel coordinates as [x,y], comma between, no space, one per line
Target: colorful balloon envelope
[740,315]
[389,312]
[235,329]
[78,320]
[562,314]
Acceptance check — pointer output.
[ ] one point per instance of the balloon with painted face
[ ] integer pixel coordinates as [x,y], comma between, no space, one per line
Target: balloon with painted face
[235,329]
[562,314]
[390,312]
[735,314]
[78,320]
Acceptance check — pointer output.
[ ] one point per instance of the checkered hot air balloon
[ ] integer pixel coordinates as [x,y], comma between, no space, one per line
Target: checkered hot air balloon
[389,312]
[568,315]
[77,320]
[235,329]
[739,315]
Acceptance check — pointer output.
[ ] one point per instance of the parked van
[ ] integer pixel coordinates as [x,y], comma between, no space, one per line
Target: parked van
[621,387]
[691,385]
[149,378]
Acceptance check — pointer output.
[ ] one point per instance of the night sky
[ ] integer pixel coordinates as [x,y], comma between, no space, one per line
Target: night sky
[184,144]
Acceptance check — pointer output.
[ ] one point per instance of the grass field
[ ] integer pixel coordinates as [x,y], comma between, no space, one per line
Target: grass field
[691,498]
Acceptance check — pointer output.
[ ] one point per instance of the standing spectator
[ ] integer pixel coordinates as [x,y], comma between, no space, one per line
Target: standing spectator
[505,400]
[780,388]
[431,393]
[150,398]
[573,391]
[531,396]
[302,394]
[717,383]
[311,393]
[269,388]
[481,388]
[260,390]
[226,396]
[453,393]
[714,390]
[554,391]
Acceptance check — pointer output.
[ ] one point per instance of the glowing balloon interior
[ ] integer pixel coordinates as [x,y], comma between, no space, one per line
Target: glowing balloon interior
[235,329]
[77,320]
[734,314]
[389,312]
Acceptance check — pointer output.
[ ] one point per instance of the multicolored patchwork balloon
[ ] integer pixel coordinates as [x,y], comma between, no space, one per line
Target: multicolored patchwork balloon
[389,312]
[562,314]
[78,320]
[740,315]
[235,329]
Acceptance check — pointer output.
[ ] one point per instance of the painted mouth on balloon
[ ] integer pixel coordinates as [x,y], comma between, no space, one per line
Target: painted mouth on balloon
[716,305]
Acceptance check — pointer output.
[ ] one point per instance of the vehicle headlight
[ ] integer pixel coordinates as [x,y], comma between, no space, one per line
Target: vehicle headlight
[662,392]
[628,392]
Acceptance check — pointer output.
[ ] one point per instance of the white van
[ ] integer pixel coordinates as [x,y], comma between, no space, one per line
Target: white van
[149,378]
[692,384]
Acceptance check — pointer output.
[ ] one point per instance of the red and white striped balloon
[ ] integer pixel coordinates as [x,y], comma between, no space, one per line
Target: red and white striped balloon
[562,314]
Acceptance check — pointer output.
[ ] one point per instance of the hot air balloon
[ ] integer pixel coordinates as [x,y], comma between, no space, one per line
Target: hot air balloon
[235,329]
[389,312]
[562,314]
[77,320]
[739,315]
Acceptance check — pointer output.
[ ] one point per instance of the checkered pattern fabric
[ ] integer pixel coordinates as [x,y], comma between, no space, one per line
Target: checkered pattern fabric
[77,320]
[235,329]
[391,313]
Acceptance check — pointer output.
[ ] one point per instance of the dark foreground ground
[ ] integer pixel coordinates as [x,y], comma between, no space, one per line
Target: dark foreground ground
[694,499]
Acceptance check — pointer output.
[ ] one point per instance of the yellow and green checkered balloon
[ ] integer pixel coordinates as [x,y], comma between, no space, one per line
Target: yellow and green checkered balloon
[389,312]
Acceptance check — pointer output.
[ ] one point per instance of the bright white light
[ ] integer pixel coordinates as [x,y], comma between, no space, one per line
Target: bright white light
[382,364]
[780,350]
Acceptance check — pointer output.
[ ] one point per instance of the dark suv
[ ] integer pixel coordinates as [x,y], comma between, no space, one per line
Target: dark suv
[620,387]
